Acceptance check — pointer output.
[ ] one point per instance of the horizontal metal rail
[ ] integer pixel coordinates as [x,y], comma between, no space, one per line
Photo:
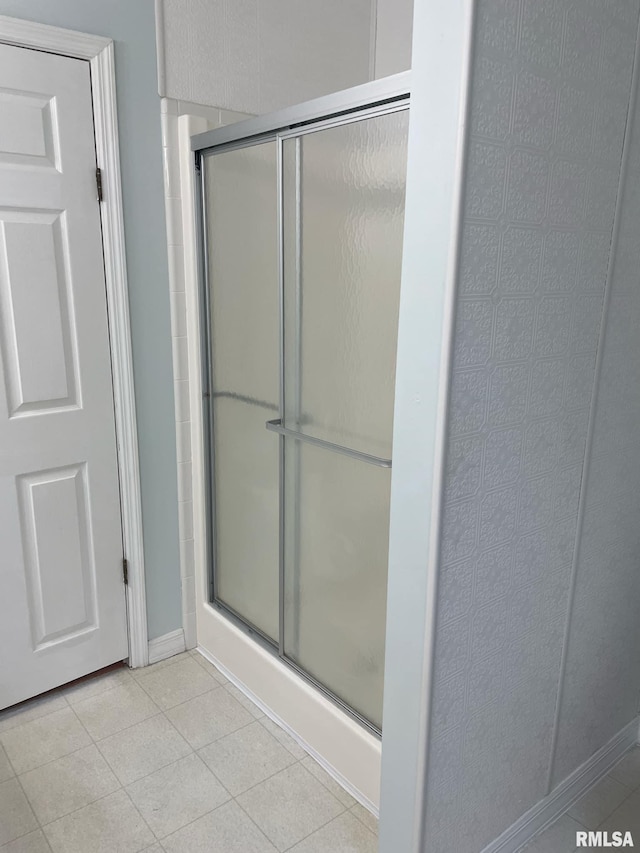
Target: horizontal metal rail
[363,97]
[276,426]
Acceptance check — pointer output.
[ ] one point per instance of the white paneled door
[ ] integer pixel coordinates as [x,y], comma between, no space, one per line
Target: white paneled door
[62,597]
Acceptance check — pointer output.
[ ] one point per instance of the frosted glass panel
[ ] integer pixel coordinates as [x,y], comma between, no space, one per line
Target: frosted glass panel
[335,594]
[344,191]
[247,524]
[241,215]
[343,206]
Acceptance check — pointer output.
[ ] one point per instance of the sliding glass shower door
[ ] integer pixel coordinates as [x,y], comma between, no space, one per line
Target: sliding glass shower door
[303,256]
[244,317]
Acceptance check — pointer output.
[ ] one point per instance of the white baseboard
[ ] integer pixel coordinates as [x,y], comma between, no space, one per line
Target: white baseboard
[166,646]
[568,792]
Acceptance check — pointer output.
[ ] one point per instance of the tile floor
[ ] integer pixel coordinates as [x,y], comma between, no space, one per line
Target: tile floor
[169,758]
[613,804]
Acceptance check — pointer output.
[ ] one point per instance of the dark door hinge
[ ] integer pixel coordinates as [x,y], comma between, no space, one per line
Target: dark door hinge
[99,183]
[125,571]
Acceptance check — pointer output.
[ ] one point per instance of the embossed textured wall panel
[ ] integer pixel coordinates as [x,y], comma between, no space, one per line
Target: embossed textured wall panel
[393,31]
[549,97]
[256,56]
[602,677]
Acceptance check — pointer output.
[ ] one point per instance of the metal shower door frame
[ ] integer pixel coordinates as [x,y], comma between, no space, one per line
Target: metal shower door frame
[369,100]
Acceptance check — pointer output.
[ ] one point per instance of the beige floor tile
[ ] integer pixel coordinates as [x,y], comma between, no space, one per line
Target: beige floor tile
[17,715]
[96,685]
[33,744]
[345,834]
[173,685]
[225,830]
[16,816]
[626,818]
[245,757]
[176,795]
[209,667]
[561,835]
[119,708]
[35,842]
[110,825]
[209,717]
[598,803]
[328,781]
[365,816]
[283,737]
[6,770]
[68,783]
[143,748]
[627,771]
[289,806]
[251,707]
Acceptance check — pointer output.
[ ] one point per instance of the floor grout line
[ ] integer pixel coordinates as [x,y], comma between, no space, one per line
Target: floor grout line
[96,695]
[164,712]
[84,806]
[178,704]
[262,723]
[309,756]
[317,829]
[66,755]
[161,767]
[258,827]
[142,818]
[16,714]
[98,741]
[180,828]
[35,719]
[18,778]
[33,812]
[620,804]
[355,814]
[298,761]
[130,726]
[52,760]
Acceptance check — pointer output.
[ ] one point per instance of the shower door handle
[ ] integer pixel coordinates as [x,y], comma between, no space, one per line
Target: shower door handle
[276,426]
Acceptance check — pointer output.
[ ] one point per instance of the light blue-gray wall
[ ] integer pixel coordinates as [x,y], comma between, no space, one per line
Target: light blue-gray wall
[131,24]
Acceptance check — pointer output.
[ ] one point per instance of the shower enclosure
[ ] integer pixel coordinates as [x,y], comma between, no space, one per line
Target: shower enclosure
[301,220]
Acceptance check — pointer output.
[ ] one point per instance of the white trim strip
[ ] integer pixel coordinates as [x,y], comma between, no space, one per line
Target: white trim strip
[53,39]
[467,20]
[542,815]
[108,158]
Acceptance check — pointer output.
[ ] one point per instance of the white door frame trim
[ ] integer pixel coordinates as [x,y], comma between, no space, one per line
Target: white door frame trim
[98,51]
